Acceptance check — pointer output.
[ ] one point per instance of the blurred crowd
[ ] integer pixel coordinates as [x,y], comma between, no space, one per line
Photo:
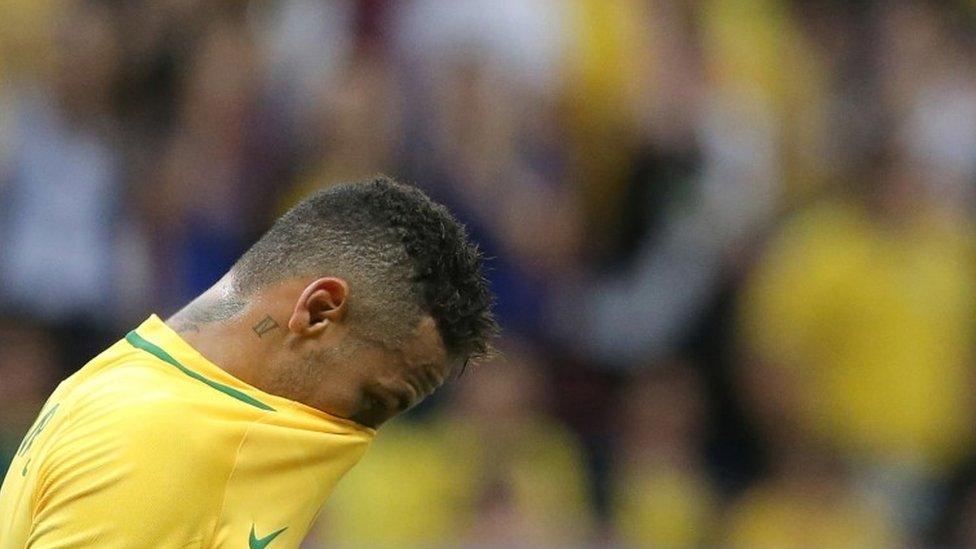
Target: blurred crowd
[732,243]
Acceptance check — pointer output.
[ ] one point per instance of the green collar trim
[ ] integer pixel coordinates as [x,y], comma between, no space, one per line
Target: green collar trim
[139,342]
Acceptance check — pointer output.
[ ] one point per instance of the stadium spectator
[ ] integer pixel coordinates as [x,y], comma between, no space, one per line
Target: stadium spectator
[806,505]
[62,177]
[28,369]
[662,496]
[860,319]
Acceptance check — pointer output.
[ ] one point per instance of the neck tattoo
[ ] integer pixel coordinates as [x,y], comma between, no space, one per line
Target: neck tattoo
[266,325]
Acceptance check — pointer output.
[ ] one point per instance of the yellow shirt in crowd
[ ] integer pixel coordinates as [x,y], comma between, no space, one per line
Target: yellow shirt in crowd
[774,515]
[877,323]
[462,488]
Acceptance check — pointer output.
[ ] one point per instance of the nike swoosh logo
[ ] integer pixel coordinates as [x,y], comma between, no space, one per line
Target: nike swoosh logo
[255,542]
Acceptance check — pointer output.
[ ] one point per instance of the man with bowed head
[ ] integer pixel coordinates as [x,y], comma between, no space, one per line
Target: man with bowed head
[234,419]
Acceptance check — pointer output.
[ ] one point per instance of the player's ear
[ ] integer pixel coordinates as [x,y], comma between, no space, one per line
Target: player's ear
[323,302]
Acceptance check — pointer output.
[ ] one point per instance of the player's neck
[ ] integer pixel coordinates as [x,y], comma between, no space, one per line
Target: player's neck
[233,334]
[248,338]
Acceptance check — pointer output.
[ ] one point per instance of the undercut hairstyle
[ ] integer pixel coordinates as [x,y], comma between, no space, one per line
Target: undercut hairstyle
[402,254]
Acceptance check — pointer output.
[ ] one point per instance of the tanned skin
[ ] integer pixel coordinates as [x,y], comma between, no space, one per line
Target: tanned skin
[272,339]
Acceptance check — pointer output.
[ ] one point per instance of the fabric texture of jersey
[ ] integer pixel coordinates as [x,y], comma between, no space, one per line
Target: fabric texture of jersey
[152,445]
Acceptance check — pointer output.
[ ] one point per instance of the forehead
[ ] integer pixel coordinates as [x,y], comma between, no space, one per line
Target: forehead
[426,345]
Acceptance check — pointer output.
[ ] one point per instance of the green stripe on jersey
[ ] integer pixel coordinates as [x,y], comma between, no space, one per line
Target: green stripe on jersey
[139,342]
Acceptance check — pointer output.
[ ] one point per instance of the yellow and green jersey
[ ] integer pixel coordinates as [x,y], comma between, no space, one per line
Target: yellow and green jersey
[152,445]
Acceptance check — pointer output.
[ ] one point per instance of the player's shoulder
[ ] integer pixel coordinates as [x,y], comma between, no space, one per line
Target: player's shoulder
[137,401]
[129,399]
[133,428]
[156,432]
[124,376]
[131,385]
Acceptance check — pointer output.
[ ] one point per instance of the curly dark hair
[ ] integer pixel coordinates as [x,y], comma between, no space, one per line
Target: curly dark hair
[401,253]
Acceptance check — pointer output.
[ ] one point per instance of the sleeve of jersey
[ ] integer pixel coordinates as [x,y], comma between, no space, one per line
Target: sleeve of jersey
[153,476]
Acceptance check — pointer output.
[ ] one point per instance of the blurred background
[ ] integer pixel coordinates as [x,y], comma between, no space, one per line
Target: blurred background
[732,243]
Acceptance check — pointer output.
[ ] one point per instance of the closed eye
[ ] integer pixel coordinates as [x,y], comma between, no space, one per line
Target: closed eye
[404,400]
[373,402]
[389,400]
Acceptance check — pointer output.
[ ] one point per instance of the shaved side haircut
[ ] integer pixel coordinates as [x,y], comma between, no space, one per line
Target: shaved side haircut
[402,254]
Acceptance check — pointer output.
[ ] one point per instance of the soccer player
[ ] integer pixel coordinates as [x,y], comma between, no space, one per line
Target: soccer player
[229,424]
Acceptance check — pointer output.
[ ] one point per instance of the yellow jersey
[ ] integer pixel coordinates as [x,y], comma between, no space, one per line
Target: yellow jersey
[152,445]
